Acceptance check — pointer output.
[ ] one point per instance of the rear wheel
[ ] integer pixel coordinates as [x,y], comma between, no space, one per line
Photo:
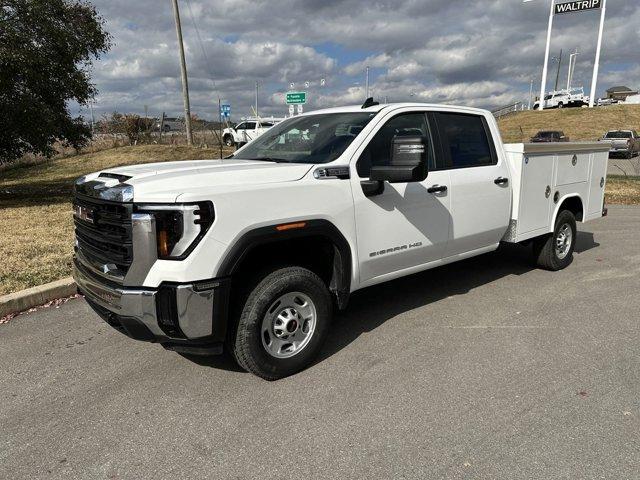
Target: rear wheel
[555,251]
[283,323]
[560,105]
[228,140]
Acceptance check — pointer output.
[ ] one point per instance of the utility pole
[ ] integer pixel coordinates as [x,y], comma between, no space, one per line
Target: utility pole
[366,85]
[93,120]
[558,73]
[596,66]
[530,94]
[183,69]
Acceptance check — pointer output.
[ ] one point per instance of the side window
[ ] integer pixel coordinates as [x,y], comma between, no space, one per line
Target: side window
[466,140]
[241,126]
[378,152]
[250,125]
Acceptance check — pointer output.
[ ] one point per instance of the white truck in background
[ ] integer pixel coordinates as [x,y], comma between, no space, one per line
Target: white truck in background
[248,129]
[573,97]
[252,253]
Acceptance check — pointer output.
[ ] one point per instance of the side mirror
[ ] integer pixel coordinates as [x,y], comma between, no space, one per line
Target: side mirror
[408,161]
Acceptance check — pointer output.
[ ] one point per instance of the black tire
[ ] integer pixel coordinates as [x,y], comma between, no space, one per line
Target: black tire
[560,105]
[245,339]
[544,248]
[228,140]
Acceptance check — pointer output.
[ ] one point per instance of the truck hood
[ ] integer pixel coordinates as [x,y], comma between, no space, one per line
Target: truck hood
[166,181]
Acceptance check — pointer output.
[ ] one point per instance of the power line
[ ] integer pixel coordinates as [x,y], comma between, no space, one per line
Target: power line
[204,52]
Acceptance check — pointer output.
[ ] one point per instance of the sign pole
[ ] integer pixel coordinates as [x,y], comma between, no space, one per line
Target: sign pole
[220,125]
[596,65]
[543,84]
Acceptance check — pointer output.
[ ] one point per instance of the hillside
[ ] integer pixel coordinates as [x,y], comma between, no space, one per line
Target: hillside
[577,123]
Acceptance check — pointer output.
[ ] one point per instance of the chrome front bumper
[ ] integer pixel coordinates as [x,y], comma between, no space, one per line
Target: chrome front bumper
[180,313]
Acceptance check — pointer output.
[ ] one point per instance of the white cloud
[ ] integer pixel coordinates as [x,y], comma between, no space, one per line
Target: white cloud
[453,51]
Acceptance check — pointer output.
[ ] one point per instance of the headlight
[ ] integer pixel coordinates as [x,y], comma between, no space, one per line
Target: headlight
[179,227]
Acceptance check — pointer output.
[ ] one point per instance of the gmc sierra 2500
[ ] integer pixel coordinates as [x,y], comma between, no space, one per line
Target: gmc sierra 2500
[254,252]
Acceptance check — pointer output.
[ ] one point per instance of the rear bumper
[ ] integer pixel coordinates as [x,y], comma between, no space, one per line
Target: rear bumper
[176,315]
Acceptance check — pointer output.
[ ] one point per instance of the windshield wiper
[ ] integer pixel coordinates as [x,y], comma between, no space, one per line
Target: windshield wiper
[270,159]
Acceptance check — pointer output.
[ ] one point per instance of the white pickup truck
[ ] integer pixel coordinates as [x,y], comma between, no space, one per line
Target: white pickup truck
[574,97]
[253,253]
[247,130]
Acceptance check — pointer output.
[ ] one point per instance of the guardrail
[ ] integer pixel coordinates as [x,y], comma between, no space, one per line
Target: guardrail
[508,109]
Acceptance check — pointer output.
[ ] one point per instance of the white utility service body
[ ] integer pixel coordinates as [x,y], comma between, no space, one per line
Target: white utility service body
[323,204]
[568,170]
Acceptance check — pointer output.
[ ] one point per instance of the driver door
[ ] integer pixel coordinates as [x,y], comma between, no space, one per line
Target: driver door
[407,225]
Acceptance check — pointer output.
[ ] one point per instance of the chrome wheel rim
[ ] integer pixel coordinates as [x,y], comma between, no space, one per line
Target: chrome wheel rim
[563,241]
[288,325]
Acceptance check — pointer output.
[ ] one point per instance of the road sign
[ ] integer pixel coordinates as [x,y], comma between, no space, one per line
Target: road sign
[296,98]
[292,110]
[225,110]
[300,109]
[577,6]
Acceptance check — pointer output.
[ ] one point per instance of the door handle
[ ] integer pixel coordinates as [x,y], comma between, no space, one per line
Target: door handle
[437,189]
[501,181]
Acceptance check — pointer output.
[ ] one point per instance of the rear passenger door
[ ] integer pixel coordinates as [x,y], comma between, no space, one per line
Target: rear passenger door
[480,190]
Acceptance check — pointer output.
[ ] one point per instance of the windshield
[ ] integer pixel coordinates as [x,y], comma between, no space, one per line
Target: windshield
[308,139]
[618,135]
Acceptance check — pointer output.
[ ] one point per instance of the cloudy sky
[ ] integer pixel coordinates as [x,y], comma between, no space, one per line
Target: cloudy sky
[473,52]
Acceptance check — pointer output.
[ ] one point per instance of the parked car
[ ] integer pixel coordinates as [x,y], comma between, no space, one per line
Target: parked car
[247,130]
[623,142]
[253,253]
[603,102]
[549,136]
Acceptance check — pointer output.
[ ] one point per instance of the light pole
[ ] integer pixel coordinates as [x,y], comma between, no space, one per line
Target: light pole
[257,98]
[530,94]
[543,84]
[366,85]
[596,66]
[572,66]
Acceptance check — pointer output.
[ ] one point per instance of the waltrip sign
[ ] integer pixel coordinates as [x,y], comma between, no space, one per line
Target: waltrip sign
[577,6]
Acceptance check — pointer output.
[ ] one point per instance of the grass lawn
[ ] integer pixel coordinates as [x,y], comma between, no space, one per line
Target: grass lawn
[623,190]
[35,208]
[576,123]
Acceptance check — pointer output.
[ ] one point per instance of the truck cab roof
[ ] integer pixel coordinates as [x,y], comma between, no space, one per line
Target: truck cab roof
[394,106]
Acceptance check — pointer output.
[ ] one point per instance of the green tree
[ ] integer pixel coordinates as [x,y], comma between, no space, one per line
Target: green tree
[46,52]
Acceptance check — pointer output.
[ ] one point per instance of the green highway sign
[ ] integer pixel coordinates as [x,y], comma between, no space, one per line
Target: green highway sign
[296,98]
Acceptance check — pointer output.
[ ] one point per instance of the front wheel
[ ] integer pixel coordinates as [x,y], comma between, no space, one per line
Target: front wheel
[228,140]
[555,251]
[282,324]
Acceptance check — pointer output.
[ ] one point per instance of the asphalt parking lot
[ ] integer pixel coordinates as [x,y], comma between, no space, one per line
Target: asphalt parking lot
[483,369]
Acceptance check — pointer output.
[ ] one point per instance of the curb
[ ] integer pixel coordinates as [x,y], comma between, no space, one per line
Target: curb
[35,296]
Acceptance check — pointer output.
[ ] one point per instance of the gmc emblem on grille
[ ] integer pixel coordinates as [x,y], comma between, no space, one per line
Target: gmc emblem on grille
[83,213]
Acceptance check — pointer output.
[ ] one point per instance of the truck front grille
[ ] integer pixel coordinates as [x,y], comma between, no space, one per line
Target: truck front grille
[103,231]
